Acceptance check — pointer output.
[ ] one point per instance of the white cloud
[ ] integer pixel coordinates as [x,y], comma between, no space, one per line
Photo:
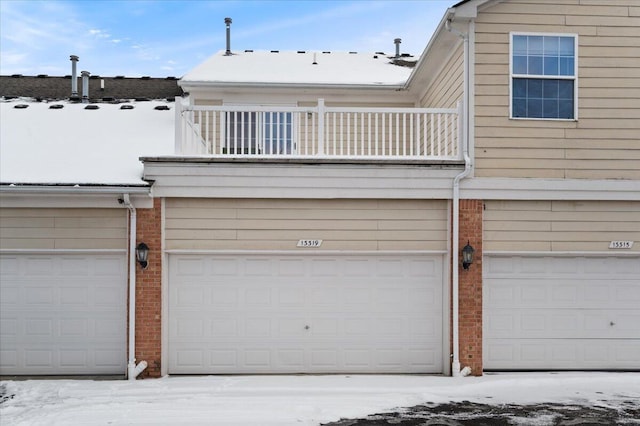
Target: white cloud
[99,33]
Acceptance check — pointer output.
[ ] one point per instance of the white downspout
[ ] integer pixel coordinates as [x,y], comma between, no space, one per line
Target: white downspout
[455,364]
[132,370]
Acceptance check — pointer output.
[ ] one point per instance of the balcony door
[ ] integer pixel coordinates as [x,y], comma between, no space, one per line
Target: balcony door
[259,132]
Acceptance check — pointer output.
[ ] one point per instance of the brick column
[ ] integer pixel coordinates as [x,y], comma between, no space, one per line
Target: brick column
[149,291]
[470,287]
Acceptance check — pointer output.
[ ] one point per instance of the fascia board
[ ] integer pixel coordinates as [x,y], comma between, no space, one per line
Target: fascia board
[426,53]
[195,85]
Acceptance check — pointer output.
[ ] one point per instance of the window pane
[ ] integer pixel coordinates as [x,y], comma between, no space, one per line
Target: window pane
[535,46]
[565,89]
[534,108]
[567,46]
[550,65]
[278,132]
[519,64]
[565,109]
[519,45]
[551,46]
[550,108]
[534,88]
[535,65]
[567,66]
[550,89]
[519,107]
[519,88]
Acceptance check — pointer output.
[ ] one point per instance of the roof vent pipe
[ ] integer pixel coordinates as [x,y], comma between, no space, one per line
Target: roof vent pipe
[397,42]
[227,22]
[85,86]
[74,76]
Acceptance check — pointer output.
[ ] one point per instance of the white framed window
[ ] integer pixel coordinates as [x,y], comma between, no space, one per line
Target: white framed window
[264,132]
[544,73]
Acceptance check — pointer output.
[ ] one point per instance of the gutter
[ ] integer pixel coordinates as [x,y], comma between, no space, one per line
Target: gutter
[133,370]
[73,188]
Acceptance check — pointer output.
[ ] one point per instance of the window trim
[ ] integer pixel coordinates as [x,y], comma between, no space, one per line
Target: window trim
[574,78]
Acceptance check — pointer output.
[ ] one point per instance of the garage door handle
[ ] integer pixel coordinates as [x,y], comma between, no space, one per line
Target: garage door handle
[306,327]
[612,323]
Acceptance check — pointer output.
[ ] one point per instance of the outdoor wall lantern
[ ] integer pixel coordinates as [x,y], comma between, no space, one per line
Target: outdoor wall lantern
[142,254]
[467,256]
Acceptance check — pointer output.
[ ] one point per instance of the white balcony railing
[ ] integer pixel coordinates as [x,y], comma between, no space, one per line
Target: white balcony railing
[319,132]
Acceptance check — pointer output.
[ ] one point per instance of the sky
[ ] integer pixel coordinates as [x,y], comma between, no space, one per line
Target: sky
[161,38]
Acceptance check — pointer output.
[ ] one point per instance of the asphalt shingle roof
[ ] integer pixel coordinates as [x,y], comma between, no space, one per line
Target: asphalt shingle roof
[45,87]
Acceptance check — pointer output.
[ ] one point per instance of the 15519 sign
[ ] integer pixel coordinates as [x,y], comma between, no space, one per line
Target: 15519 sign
[620,244]
[309,243]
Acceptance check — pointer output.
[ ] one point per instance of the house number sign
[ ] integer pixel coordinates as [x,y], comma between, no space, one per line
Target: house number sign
[620,244]
[309,243]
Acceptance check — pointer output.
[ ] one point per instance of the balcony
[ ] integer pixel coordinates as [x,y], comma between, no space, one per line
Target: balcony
[319,133]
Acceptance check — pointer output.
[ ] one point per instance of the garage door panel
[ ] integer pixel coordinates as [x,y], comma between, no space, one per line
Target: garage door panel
[63,314]
[304,314]
[567,354]
[549,323]
[584,293]
[544,319]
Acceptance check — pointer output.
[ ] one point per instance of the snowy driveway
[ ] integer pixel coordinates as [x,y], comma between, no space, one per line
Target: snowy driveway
[292,400]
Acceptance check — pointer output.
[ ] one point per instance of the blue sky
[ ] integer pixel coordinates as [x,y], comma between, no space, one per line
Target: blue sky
[168,38]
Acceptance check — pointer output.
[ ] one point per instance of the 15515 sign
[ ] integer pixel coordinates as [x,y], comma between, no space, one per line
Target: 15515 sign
[620,244]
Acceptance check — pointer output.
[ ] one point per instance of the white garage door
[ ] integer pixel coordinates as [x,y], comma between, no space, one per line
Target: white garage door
[561,312]
[62,314]
[303,314]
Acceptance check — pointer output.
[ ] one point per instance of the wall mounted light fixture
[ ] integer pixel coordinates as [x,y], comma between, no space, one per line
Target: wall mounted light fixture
[142,254]
[467,256]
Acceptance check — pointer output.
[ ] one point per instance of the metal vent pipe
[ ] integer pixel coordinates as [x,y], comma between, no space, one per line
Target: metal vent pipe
[85,86]
[397,42]
[227,22]
[74,76]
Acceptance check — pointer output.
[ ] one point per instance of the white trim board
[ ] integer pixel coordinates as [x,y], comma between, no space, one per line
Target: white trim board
[225,180]
[549,189]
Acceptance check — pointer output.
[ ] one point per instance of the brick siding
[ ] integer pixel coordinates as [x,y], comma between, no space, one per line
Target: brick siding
[149,291]
[470,287]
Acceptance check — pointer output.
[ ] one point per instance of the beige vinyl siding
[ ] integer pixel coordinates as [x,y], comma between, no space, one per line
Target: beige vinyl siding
[560,225]
[22,228]
[603,142]
[448,85]
[260,224]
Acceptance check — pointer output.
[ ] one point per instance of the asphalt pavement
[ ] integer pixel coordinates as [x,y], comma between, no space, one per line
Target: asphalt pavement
[474,414]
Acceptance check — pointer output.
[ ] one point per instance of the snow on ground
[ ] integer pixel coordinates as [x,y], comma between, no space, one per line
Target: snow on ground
[289,400]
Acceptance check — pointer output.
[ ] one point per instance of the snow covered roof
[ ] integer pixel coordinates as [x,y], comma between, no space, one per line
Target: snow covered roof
[73,145]
[299,68]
